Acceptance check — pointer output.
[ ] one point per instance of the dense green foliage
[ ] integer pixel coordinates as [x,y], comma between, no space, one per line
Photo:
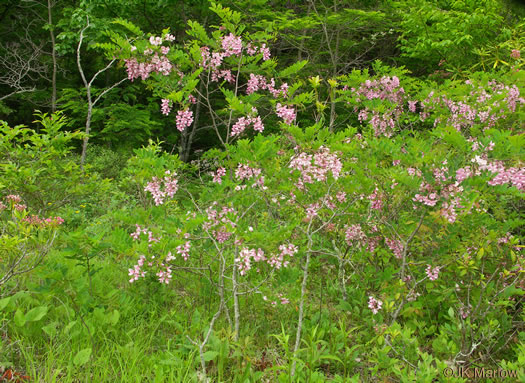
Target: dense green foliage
[271,191]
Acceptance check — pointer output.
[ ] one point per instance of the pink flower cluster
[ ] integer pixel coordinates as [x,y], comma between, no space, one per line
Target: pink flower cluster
[396,246]
[244,172]
[184,119]
[513,176]
[155,40]
[232,45]
[323,162]
[449,209]
[480,106]
[221,220]
[155,187]
[265,52]
[165,106]
[139,230]
[385,89]
[163,275]
[374,304]
[184,251]
[355,234]
[47,222]
[281,297]
[245,258]
[243,122]
[136,272]
[144,69]
[13,200]
[217,177]
[225,74]
[257,82]
[278,261]
[432,273]
[287,114]
[375,200]
[311,210]
[430,199]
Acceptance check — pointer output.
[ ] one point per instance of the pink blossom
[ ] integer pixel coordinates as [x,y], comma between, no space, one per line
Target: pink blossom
[164,275]
[13,198]
[514,176]
[165,107]
[432,273]
[184,251]
[155,40]
[223,74]
[20,206]
[217,177]
[374,304]
[251,49]
[246,256]
[515,54]
[240,126]
[355,233]
[287,114]
[266,52]
[324,162]
[136,272]
[254,83]
[37,221]
[257,124]
[396,246]
[232,45]
[341,196]
[277,261]
[170,184]
[375,200]
[184,119]
[222,235]
[463,173]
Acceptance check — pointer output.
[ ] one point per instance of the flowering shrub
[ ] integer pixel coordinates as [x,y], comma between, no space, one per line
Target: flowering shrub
[231,68]
[26,239]
[414,208]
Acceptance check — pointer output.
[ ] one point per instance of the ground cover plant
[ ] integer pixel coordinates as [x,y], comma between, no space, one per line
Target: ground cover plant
[360,224]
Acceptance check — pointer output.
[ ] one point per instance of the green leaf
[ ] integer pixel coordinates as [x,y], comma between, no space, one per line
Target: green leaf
[36,314]
[451,312]
[4,302]
[20,319]
[293,69]
[127,24]
[82,357]
[210,355]
[114,317]
[50,329]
